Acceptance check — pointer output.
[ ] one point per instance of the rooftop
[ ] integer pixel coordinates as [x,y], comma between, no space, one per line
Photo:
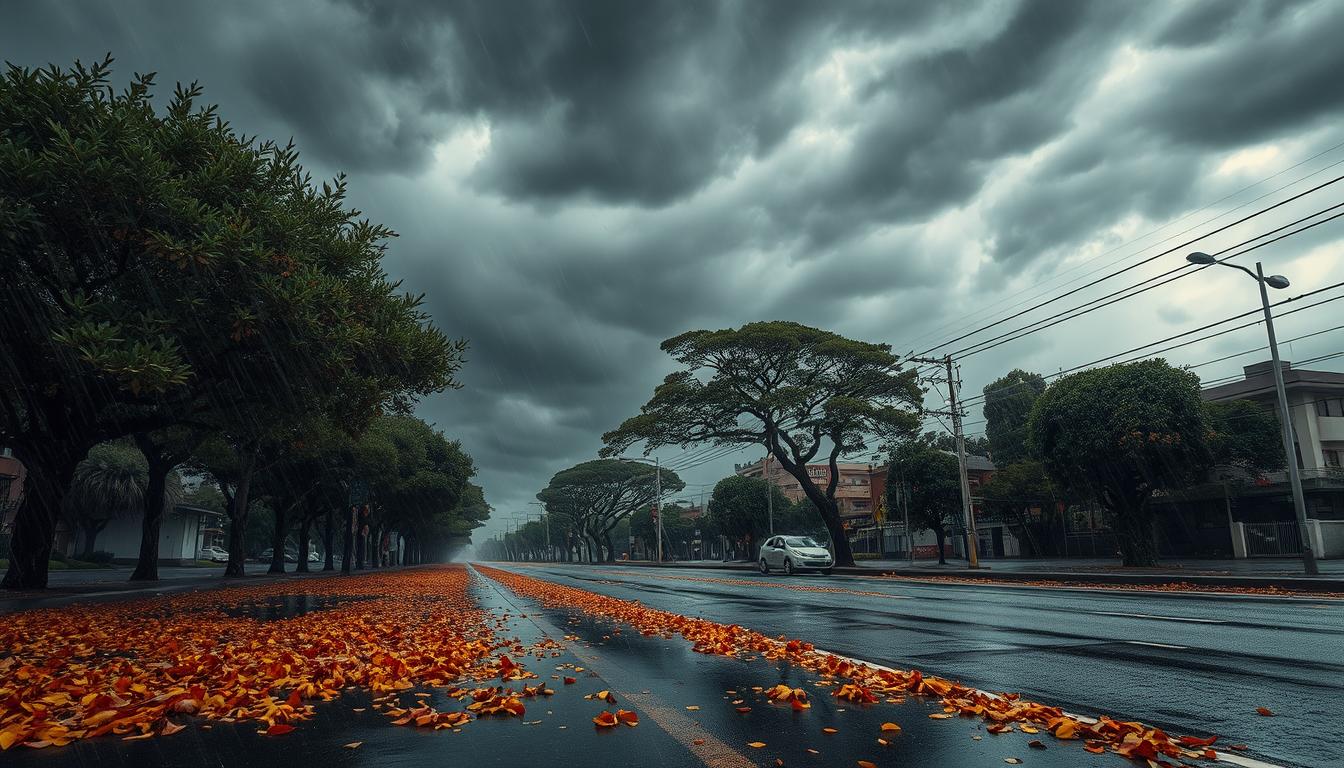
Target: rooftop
[1258,381]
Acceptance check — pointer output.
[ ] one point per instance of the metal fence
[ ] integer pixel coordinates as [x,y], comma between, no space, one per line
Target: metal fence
[1273,539]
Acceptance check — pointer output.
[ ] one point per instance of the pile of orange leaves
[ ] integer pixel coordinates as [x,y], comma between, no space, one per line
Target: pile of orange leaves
[864,684]
[140,669]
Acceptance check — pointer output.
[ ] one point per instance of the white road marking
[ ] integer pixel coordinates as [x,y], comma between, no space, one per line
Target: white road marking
[1159,645]
[1160,618]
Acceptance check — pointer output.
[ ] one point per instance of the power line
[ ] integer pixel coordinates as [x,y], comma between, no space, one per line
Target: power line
[1164,226]
[1081,310]
[1167,252]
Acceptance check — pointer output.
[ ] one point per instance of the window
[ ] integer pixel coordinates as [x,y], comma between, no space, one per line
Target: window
[1322,407]
[1332,458]
[1336,406]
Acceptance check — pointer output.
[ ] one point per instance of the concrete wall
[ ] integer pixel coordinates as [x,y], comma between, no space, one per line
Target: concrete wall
[1327,538]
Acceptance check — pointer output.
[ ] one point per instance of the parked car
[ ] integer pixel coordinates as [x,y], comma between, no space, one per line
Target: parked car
[291,556]
[795,553]
[213,554]
[315,557]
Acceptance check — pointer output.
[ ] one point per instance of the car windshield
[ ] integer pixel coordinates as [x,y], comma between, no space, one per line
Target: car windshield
[801,541]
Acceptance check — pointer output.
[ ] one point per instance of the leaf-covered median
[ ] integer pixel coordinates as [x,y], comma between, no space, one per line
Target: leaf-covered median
[152,667]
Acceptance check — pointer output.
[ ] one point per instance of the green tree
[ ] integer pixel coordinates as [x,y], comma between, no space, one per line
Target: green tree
[417,478]
[799,391]
[599,494]
[1120,433]
[160,267]
[1244,434]
[975,445]
[110,484]
[1021,492]
[740,509]
[1008,403]
[932,482]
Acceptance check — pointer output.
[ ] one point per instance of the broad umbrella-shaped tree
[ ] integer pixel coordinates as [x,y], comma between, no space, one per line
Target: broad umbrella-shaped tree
[801,392]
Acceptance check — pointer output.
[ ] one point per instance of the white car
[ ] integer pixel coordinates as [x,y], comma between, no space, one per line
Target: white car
[795,553]
[213,554]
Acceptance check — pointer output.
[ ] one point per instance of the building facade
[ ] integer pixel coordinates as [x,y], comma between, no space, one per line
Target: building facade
[853,493]
[1258,511]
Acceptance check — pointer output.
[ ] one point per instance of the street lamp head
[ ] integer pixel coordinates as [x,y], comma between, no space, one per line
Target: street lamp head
[1199,257]
[1276,281]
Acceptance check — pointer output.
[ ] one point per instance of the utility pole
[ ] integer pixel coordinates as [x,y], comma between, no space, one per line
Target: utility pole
[972,540]
[658,504]
[967,513]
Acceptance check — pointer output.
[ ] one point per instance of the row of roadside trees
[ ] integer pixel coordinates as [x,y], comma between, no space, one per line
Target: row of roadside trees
[1116,437]
[176,286]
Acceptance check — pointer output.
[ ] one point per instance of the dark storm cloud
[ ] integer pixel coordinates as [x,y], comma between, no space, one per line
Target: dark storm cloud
[1269,66]
[636,169]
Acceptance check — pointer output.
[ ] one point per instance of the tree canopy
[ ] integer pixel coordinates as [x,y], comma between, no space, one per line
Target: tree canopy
[1008,403]
[161,267]
[1120,433]
[801,392]
[1244,434]
[598,494]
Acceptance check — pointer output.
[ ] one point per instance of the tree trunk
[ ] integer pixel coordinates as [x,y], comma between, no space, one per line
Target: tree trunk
[237,509]
[305,525]
[611,548]
[1138,548]
[49,471]
[328,537]
[361,541]
[348,540]
[147,562]
[278,537]
[91,530]
[940,534]
[825,504]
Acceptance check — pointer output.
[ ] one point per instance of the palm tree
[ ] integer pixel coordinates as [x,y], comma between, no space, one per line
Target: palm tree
[108,485]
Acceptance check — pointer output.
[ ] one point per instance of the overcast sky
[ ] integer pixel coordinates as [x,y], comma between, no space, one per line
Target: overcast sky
[576,181]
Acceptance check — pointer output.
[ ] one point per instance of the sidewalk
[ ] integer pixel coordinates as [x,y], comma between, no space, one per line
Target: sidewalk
[103,584]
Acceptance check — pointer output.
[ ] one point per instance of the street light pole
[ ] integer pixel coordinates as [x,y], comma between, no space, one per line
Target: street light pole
[1290,455]
[1285,416]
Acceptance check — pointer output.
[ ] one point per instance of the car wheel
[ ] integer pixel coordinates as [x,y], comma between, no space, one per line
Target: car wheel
[788,566]
[765,567]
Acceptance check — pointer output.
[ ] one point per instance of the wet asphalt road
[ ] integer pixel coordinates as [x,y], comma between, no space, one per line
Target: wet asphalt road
[1189,664]
[1073,649]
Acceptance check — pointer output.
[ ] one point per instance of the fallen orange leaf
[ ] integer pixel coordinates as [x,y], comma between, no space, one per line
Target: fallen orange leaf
[279,729]
[890,727]
[756,744]
[1264,711]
